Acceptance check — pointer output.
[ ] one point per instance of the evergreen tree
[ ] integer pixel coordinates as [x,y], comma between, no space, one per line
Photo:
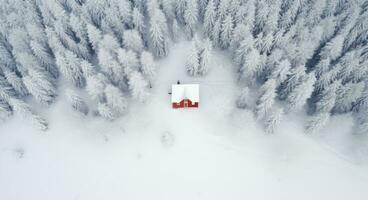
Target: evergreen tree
[180,8]
[96,86]
[273,119]
[138,21]
[105,111]
[227,27]
[243,99]
[251,66]
[115,100]
[266,99]
[216,33]
[317,122]
[94,36]
[176,31]
[299,95]
[192,62]
[205,57]
[148,66]
[191,17]
[77,102]
[209,18]
[133,41]
[138,87]
[5,110]
[347,95]
[159,34]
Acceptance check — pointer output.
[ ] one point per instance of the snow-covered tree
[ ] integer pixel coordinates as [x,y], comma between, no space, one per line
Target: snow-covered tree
[94,36]
[227,28]
[69,66]
[96,86]
[250,66]
[5,110]
[138,21]
[209,18]
[281,71]
[159,33]
[105,111]
[138,86]
[176,30]
[273,119]
[191,17]
[148,66]
[317,122]
[205,56]
[133,41]
[192,61]
[292,80]
[243,99]
[77,102]
[266,98]
[297,98]
[347,96]
[128,60]
[180,7]
[115,100]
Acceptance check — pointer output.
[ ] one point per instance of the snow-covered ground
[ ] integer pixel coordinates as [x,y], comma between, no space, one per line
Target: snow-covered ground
[155,152]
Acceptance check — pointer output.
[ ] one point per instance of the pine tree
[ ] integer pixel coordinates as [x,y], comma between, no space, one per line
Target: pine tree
[77,102]
[327,97]
[299,95]
[209,18]
[243,99]
[105,111]
[180,8]
[250,66]
[227,27]
[94,36]
[176,31]
[132,40]
[293,79]
[15,81]
[205,57]
[317,122]
[281,71]
[138,21]
[5,110]
[273,119]
[192,62]
[148,66]
[168,8]
[191,17]
[96,86]
[347,96]
[216,33]
[159,34]
[266,98]
[240,33]
[115,100]
[128,60]
[138,87]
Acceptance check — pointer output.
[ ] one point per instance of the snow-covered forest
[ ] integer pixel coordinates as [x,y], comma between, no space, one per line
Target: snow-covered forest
[291,55]
[85,107]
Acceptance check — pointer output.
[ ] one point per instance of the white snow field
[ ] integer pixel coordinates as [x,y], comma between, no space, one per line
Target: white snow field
[216,152]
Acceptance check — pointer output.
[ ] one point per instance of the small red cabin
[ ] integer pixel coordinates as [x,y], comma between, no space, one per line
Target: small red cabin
[185,96]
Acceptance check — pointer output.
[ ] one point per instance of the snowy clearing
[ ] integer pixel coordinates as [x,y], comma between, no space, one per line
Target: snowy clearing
[155,152]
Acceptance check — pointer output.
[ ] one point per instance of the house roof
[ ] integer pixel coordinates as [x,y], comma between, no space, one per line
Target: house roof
[185,91]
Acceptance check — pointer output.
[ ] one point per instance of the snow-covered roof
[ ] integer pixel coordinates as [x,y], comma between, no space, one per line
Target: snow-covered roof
[184,91]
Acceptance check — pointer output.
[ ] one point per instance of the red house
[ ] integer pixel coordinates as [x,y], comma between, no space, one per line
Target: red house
[185,96]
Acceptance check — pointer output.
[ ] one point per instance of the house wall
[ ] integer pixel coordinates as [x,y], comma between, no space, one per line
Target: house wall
[181,104]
